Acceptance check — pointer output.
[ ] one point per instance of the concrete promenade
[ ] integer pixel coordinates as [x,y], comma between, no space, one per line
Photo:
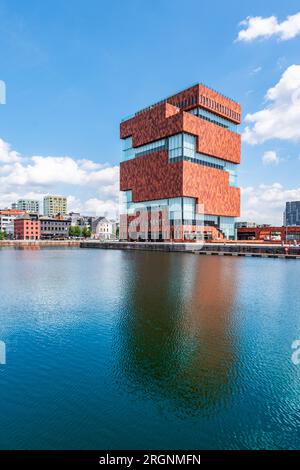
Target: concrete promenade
[19,244]
[219,249]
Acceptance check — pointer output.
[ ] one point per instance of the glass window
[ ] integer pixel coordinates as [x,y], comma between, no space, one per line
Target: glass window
[214,118]
[183,147]
[175,146]
[188,208]
[189,145]
[130,152]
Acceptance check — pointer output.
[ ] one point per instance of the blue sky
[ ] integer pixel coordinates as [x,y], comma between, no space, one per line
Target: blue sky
[73,69]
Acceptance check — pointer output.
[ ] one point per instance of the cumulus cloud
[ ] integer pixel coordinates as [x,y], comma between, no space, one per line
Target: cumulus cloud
[6,154]
[255,27]
[46,171]
[270,158]
[280,119]
[91,166]
[266,203]
[99,206]
[94,206]
[38,175]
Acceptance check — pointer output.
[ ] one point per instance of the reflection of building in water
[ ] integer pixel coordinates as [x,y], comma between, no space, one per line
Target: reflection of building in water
[178,330]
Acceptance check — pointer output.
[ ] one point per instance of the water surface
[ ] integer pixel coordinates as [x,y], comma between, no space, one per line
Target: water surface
[124,350]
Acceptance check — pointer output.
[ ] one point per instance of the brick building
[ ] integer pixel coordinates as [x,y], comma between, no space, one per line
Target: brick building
[27,228]
[182,155]
[269,233]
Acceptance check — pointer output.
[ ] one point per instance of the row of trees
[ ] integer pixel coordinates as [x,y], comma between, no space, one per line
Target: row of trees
[77,231]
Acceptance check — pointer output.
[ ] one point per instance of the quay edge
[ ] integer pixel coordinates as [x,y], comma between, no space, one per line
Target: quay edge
[39,243]
[228,249]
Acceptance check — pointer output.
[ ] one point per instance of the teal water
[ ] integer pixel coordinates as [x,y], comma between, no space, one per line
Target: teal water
[128,350]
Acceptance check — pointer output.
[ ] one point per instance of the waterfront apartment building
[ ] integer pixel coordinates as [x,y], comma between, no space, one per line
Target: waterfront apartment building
[27,228]
[31,206]
[103,228]
[54,205]
[6,221]
[54,227]
[182,155]
[291,214]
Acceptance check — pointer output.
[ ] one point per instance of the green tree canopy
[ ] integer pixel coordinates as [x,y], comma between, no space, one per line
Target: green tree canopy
[75,231]
[86,232]
[3,235]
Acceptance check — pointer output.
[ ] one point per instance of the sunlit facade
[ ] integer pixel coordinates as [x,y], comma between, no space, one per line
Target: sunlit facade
[54,205]
[181,156]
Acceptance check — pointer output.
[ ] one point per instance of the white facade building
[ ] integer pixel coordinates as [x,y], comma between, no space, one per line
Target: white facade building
[104,229]
[5,221]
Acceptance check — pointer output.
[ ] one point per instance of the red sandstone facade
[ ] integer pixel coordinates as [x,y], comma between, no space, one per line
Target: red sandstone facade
[204,175]
[27,229]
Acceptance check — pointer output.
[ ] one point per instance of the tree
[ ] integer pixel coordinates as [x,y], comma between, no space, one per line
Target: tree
[74,231]
[86,232]
[2,235]
[77,231]
[71,231]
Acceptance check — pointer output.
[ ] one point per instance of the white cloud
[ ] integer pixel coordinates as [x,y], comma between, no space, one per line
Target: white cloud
[270,158]
[257,27]
[37,175]
[6,154]
[45,171]
[7,198]
[90,166]
[256,70]
[96,206]
[266,203]
[280,119]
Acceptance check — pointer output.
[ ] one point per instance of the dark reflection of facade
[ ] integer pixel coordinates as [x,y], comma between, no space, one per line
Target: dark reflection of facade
[177,340]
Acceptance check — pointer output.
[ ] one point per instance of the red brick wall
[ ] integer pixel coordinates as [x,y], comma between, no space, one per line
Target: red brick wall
[195,93]
[206,98]
[165,120]
[157,123]
[24,228]
[222,100]
[153,177]
[212,139]
[190,96]
[211,188]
